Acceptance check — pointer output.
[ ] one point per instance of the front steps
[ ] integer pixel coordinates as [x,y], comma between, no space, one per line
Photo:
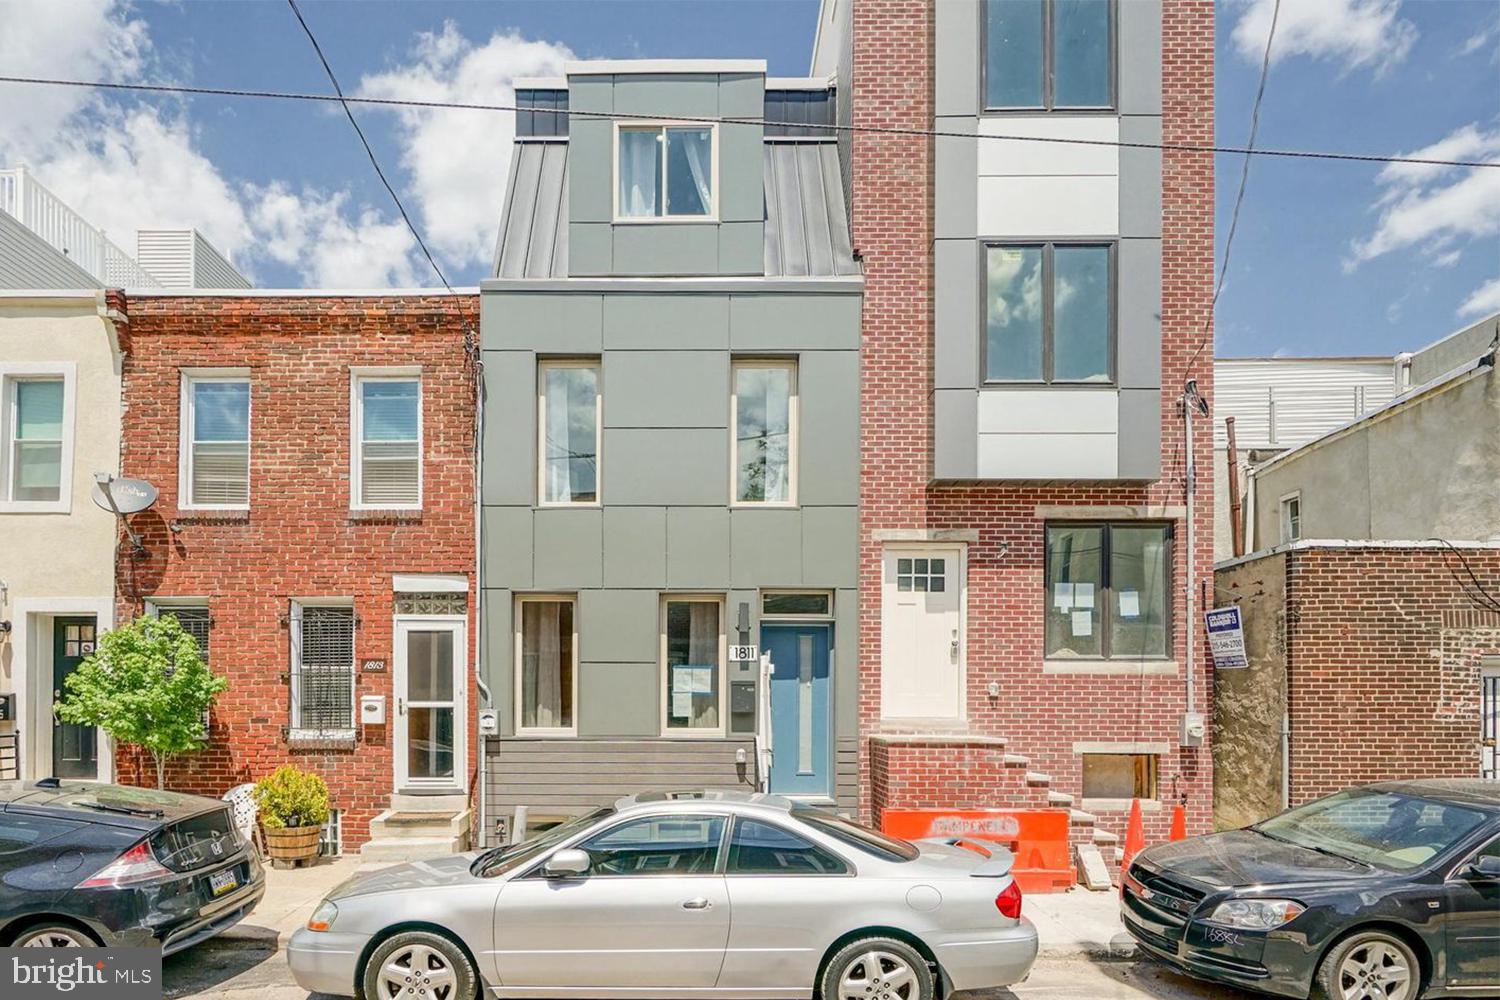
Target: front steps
[418,826]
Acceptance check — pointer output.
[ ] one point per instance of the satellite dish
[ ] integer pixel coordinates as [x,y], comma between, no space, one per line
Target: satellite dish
[124,496]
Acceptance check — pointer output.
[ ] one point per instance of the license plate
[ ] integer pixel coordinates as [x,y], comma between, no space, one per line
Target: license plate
[222,882]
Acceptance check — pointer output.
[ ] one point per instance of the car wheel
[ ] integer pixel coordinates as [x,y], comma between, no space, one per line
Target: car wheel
[877,968]
[1371,965]
[53,936]
[418,965]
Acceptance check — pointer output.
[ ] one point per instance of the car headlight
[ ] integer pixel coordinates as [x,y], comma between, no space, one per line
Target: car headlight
[1256,914]
[323,916]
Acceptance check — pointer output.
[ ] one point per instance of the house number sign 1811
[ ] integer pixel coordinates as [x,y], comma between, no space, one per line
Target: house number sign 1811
[372,665]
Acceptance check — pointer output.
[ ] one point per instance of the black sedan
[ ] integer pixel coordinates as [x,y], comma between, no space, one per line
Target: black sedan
[83,865]
[1385,892]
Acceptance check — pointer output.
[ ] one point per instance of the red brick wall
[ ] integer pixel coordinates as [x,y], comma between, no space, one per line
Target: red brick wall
[1041,714]
[1384,653]
[299,538]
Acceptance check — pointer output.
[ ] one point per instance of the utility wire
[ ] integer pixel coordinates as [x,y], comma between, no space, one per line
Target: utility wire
[1473,589]
[1301,154]
[1239,198]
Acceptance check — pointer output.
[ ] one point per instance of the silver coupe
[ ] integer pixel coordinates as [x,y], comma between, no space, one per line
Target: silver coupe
[682,895]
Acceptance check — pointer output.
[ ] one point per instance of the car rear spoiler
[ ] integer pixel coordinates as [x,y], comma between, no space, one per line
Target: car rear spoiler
[998,860]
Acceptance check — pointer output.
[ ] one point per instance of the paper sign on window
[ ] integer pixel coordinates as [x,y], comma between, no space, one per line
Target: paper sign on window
[1083,623]
[1083,595]
[1130,604]
[1062,596]
[682,704]
[703,680]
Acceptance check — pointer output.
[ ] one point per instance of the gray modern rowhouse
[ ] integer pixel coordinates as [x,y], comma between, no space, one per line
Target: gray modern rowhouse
[671,421]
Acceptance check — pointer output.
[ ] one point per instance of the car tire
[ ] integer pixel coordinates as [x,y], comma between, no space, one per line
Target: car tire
[418,965]
[1381,956]
[877,968]
[53,936]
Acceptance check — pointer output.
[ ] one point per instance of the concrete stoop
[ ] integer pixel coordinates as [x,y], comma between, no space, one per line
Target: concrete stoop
[417,827]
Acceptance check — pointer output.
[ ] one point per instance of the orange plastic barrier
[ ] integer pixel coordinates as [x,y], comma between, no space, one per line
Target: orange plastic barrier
[1037,837]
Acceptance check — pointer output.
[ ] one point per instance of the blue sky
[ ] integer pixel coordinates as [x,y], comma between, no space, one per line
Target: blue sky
[1330,258]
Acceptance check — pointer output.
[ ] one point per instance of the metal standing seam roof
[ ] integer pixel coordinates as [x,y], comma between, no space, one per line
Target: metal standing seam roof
[806,225]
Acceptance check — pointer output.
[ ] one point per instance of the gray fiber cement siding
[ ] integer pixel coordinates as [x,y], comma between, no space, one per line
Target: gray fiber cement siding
[666,523]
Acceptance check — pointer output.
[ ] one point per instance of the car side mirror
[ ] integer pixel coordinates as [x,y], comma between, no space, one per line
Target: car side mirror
[567,863]
[1486,867]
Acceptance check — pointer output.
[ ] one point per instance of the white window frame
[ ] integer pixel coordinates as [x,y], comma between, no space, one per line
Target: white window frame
[661,126]
[542,367]
[794,431]
[357,377]
[295,730]
[664,676]
[546,731]
[1284,507]
[10,374]
[190,377]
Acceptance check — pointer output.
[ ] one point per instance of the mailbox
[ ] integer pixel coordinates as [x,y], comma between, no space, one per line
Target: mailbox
[7,707]
[372,709]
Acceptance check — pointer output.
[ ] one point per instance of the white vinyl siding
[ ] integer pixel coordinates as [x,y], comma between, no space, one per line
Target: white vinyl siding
[386,422]
[1285,402]
[322,670]
[215,453]
[36,438]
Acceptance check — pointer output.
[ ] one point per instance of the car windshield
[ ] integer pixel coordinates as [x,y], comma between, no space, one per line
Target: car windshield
[500,860]
[870,841]
[1386,829]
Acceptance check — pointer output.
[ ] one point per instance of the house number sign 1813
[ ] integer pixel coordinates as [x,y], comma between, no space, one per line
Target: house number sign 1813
[372,665]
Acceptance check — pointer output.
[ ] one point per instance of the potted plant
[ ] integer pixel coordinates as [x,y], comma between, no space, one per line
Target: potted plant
[293,808]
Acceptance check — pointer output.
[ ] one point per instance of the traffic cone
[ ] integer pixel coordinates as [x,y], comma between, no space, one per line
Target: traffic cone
[1179,822]
[1135,835]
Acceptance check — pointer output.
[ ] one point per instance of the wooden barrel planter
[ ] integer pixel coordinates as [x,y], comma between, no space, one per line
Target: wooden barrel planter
[292,846]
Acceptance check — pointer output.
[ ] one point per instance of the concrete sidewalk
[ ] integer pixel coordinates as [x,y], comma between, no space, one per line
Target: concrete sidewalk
[1073,924]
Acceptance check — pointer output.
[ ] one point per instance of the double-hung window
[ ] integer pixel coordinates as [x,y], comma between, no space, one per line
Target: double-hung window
[763,438]
[569,419]
[547,659]
[1291,517]
[36,435]
[322,670]
[666,172]
[215,455]
[693,652]
[1049,313]
[386,419]
[1049,55]
[1108,591]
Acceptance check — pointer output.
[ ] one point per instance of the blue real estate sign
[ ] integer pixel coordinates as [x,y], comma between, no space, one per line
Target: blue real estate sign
[1226,638]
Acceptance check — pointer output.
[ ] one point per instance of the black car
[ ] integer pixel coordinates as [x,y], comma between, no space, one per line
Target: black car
[85,864]
[1385,892]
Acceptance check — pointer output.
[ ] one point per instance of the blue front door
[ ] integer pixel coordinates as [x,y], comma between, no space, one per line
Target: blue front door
[800,718]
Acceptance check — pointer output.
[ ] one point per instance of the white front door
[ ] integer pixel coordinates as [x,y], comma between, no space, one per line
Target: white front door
[430,711]
[921,634]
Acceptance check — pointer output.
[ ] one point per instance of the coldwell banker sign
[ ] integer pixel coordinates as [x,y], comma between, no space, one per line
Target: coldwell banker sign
[1226,638]
[80,973]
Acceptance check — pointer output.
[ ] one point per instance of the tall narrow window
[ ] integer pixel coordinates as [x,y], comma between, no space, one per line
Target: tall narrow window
[1048,54]
[570,431]
[1291,517]
[323,670]
[764,432]
[548,664]
[1108,587]
[1049,313]
[387,441]
[693,658]
[34,449]
[665,172]
[216,441]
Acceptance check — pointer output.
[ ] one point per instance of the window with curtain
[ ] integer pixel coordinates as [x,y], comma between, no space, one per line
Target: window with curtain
[1049,313]
[764,446]
[693,646]
[323,669]
[1048,54]
[33,428]
[217,451]
[547,664]
[665,172]
[569,432]
[388,442]
[1108,591]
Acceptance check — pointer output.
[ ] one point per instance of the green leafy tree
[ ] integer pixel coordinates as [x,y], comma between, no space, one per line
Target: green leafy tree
[146,685]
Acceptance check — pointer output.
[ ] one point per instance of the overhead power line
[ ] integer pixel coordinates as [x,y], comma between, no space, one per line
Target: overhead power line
[283,95]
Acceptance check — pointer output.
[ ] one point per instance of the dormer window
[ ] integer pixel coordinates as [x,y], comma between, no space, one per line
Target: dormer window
[665,172]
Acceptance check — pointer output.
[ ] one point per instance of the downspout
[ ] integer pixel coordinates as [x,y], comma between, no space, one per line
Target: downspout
[479,647]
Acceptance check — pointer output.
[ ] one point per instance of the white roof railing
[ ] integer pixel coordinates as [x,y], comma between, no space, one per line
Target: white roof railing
[47,215]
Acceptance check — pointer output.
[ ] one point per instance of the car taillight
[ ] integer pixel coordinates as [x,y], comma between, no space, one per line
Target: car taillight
[1009,901]
[134,867]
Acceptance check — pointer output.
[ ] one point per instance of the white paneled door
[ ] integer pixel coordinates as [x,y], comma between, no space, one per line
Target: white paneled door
[922,641]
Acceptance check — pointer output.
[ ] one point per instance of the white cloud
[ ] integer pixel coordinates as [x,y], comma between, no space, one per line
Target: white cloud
[1357,34]
[1486,36]
[1436,209]
[310,230]
[459,160]
[1484,300]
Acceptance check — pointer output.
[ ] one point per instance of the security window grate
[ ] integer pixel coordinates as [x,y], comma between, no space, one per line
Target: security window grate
[195,621]
[323,669]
